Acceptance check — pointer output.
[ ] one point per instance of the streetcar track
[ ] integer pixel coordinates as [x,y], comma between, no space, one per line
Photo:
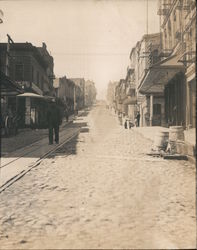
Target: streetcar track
[19,157]
[35,164]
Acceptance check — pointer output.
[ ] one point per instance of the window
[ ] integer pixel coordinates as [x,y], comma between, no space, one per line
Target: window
[156,109]
[19,72]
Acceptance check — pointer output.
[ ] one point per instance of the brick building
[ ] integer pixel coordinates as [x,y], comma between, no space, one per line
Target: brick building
[65,91]
[150,101]
[176,71]
[111,94]
[90,93]
[31,68]
[79,95]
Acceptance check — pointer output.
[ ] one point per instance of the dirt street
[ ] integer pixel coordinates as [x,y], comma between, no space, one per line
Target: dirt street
[101,190]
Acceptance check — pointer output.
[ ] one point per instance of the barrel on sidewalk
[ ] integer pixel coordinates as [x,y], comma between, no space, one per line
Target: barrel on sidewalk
[161,140]
[176,135]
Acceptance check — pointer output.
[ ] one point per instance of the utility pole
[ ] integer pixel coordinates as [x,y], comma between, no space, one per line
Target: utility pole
[7,68]
[74,99]
[1,16]
[147,17]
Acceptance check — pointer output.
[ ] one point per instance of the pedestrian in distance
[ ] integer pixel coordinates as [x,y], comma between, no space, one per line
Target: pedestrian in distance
[125,124]
[138,119]
[54,120]
[66,114]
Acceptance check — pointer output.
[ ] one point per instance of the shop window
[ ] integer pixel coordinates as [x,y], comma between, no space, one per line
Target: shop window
[156,109]
[19,72]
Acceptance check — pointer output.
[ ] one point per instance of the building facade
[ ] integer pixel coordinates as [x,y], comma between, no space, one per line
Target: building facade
[175,69]
[31,68]
[79,93]
[9,90]
[111,94]
[163,70]
[150,102]
[64,88]
[90,93]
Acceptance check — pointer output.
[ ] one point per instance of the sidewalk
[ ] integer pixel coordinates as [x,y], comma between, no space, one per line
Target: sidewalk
[26,137]
[33,145]
[190,136]
[186,147]
[149,132]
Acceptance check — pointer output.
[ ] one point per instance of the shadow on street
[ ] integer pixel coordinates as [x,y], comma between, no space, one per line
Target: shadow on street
[9,146]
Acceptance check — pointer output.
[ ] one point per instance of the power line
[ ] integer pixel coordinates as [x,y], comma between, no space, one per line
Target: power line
[88,54]
[147,17]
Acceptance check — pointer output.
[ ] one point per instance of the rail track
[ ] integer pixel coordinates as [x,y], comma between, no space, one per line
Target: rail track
[36,163]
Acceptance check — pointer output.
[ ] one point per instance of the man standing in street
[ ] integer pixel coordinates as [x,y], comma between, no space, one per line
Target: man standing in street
[54,120]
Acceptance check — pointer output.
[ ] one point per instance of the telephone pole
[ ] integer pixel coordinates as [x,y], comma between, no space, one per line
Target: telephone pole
[7,69]
[147,17]
[1,16]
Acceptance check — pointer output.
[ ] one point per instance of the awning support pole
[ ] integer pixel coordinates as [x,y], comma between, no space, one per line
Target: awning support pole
[151,110]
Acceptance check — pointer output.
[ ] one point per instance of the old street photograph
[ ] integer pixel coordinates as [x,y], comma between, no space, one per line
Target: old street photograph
[98,124]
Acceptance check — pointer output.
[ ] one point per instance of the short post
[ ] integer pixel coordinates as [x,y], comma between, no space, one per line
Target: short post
[151,110]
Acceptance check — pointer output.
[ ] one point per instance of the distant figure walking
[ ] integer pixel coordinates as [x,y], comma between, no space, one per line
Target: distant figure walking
[66,114]
[54,120]
[125,124]
[138,119]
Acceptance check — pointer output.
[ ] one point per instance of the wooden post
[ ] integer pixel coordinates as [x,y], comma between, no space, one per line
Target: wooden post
[151,110]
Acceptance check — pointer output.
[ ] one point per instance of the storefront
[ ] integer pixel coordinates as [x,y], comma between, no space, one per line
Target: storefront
[175,101]
[192,103]
[165,85]
[32,110]
[9,90]
[191,95]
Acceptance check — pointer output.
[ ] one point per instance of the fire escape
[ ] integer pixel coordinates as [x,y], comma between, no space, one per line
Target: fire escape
[164,12]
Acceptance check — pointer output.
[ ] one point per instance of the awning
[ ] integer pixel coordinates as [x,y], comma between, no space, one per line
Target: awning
[30,95]
[49,98]
[8,87]
[160,74]
[36,89]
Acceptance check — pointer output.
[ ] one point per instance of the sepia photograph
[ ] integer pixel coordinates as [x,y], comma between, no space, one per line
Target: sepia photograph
[98,124]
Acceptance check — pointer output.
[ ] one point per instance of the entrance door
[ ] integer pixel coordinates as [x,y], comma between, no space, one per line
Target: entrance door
[157,114]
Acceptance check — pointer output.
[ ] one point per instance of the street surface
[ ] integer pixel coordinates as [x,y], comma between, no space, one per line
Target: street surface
[101,190]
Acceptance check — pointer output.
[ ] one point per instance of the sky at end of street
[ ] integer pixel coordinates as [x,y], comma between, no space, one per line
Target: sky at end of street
[91,39]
